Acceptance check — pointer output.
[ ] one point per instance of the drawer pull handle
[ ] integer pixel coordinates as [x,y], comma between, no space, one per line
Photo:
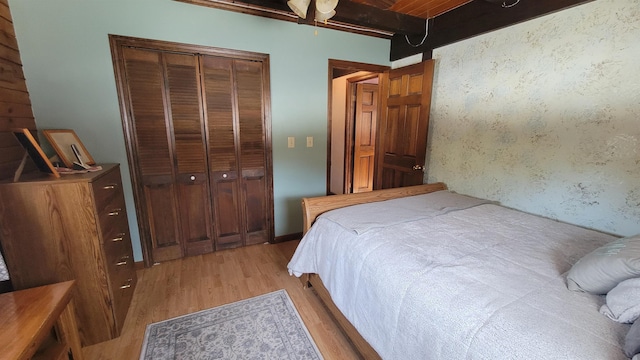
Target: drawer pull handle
[127,285]
[114,212]
[110,186]
[123,260]
[118,237]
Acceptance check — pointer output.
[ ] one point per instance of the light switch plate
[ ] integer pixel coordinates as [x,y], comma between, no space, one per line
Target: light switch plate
[291,142]
[309,141]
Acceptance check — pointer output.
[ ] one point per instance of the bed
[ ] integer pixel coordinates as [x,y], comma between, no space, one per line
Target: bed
[461,278]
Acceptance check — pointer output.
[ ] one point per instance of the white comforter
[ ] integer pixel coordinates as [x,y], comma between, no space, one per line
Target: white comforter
[484,282]
[4,274]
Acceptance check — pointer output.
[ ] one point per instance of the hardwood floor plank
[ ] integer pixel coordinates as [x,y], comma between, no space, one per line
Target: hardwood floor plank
[179,287]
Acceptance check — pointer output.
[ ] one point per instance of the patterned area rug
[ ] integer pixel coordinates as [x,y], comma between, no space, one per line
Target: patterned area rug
[262,327]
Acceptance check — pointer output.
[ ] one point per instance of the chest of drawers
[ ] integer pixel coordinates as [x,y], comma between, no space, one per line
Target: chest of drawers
[73,228]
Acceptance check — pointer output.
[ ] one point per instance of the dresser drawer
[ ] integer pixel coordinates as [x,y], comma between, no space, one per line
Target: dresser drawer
[113,218]
[118,255]
[122,295]
[106,188]
[120,268]
[113,223]
[123,284]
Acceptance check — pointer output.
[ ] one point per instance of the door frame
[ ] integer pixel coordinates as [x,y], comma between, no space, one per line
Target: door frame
[338,68]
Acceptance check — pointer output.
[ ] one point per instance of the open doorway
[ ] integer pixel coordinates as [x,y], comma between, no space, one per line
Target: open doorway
[346,80]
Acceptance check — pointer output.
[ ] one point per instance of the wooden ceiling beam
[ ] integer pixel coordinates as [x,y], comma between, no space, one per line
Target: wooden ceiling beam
[347,12]
[373,17]
[474,18]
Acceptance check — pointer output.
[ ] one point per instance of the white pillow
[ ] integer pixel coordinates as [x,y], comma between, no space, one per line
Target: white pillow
[623,302]
[632,341]
[605,267]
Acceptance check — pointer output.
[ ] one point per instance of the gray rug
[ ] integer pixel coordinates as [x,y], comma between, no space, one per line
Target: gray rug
[263,327]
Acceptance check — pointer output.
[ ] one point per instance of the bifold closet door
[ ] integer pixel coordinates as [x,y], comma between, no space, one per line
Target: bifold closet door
[189,143]
[235,109]
[166,119]
[197,127]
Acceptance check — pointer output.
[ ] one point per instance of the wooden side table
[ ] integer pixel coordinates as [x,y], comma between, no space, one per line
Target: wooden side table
[39,323]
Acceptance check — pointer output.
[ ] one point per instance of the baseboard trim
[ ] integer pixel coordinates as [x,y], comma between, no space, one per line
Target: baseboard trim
[5,286]
[139,265]
[288,237]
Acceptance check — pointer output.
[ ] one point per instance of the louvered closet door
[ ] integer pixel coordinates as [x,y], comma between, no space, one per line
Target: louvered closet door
[237,150]
[223,156]
[253,146]
[197,126]
[154,163]
[192,178]
[167,120]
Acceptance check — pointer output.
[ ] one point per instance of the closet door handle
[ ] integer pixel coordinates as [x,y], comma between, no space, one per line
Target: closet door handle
[110,186]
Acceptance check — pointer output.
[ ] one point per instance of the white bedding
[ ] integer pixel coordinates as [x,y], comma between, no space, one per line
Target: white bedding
[4,274]
[485,282]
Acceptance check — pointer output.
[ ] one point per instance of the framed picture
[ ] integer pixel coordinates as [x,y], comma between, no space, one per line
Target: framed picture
[68,147]
[35,152]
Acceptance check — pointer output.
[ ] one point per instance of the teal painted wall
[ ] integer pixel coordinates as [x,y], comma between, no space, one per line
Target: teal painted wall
[67,64]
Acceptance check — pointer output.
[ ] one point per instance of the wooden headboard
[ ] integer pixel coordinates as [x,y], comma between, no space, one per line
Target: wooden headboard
[314,206]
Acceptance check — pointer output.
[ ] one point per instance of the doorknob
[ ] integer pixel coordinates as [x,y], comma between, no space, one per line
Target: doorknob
[418,167]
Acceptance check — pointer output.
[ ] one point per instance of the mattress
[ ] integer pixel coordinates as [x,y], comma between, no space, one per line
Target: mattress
[473,282]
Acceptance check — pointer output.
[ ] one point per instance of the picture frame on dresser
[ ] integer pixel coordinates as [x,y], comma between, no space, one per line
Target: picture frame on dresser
[68,146]
[34,151]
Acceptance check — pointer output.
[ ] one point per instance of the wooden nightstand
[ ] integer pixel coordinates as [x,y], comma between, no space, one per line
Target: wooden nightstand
[39,323]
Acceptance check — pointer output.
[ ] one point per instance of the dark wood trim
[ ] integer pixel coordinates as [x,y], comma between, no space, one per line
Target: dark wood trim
[139,265]
[288,237]
[349,16]
[474,18]
[5,286]
[268,146]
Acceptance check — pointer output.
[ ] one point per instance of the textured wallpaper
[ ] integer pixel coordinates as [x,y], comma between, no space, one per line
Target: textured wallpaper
[544,116]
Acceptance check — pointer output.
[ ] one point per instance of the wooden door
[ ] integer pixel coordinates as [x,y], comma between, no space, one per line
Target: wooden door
[164,89]
[223,157]
[365,137]
[254,149]
[182,78]
[239,151]
[404,124]
[153,161]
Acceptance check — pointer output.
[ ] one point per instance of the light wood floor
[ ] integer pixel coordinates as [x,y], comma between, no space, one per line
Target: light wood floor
[200,282]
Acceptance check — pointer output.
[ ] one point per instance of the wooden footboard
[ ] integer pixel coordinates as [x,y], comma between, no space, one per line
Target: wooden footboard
[312,208]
